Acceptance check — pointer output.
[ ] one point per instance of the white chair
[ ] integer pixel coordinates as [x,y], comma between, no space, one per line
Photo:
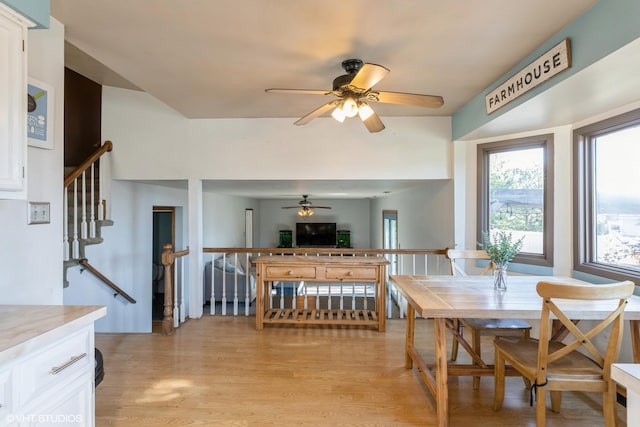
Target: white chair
[479,327]
[576,363]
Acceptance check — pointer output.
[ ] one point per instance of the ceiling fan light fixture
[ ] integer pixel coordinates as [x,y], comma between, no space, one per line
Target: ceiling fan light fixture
[305,211]
[364,110]
[350,107]
[338,113]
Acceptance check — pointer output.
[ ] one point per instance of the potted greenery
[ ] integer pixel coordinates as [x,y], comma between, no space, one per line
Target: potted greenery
[501,251]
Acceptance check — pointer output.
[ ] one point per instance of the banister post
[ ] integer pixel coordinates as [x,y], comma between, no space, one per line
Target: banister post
[168,258]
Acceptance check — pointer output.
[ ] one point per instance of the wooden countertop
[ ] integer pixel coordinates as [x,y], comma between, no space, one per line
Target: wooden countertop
[24,328]
[627,374]
[295,259]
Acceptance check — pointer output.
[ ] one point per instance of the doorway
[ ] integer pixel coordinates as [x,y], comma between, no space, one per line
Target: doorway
[164,224]
[390,238]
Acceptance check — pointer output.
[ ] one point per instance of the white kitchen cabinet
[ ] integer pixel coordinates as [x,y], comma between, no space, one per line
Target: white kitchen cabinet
[47,365]
[13,103]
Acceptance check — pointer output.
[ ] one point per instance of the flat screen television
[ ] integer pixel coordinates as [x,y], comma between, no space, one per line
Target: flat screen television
[310,234]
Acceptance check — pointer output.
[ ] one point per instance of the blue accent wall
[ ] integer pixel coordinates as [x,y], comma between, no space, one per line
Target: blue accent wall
[603,29]
[37,11]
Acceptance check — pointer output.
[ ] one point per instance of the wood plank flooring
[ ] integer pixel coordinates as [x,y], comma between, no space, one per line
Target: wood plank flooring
[220,371]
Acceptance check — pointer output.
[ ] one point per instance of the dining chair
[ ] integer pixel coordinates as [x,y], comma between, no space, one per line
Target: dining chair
[479,327]
[574,364]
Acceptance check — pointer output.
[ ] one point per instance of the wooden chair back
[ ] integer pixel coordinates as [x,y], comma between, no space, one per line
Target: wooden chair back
[578,339]
[466,254]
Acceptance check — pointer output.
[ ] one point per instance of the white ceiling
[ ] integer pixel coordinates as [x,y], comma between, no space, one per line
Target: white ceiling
[213,59]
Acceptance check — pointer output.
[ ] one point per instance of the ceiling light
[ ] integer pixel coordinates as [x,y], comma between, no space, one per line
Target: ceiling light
[349,107]
[305,211]
[364,110]
[338,113]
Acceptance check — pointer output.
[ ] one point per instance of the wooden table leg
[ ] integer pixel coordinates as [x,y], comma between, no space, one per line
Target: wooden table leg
[381,299]
[260,290]
[409,340]
[442,390]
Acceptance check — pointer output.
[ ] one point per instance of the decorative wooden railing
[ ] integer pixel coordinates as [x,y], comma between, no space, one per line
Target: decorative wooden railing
[234,265]
[85,263]
[174,285]
[83,223]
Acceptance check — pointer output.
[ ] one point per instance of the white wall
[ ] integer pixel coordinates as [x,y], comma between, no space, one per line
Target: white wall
[352,215]
[152,141]
[223,220]
[31,255]
[425,216]
[126,256]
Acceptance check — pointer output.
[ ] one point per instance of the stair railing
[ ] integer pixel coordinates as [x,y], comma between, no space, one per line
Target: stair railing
[174,309]
[81,228]
[85,263]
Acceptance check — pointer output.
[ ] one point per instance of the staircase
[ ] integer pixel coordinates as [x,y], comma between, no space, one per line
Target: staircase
[84,210]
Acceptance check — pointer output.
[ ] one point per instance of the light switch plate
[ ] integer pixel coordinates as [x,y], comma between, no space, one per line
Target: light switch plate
[39,213]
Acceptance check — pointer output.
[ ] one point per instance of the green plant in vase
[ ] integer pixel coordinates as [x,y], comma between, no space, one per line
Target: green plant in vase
[501,251]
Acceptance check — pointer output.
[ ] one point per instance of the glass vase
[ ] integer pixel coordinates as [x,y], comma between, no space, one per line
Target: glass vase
[500,277]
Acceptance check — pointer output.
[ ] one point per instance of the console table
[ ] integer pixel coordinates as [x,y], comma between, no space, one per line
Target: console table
[352,269]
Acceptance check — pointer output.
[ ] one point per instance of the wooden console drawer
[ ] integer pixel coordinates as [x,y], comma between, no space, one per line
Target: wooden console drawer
[290,272]
[352,273]
[63,361]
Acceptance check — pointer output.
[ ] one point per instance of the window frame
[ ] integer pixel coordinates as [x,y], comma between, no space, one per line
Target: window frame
[545,142]
[584,197]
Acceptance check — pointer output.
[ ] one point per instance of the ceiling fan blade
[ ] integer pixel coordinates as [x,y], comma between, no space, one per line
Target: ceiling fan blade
[417,100]
[317,112]
[373,123]
[319,207]
[303,91]
[367,76]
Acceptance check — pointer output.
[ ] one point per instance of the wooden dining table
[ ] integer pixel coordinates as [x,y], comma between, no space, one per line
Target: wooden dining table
[443,298]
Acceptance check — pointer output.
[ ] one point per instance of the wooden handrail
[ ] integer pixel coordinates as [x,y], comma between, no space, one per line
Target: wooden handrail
[108,282]
[327,251]
[106,147]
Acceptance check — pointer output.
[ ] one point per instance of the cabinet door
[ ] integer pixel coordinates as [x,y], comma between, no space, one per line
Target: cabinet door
[13,97]
[71,406]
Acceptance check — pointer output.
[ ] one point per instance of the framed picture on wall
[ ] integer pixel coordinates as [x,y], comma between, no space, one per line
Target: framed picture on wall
[40,114]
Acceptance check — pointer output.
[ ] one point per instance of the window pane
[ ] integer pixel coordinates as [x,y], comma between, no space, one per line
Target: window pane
[516,195]
[617,198]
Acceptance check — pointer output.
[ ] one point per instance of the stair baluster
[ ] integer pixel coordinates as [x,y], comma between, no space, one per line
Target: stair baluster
[65,226]
[76,242]
[92,218]
[83,221]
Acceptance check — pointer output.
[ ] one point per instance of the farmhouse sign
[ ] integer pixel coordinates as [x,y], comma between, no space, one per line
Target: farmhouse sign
[553,61]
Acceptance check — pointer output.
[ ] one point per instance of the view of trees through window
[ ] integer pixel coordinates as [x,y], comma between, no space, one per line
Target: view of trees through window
[516,195]
[617,198]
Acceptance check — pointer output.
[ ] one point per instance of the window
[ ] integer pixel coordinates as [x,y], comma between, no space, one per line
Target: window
[607,201]
[515,194]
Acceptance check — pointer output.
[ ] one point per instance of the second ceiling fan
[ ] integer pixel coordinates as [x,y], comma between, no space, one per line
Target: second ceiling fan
[305,206]
[354,89]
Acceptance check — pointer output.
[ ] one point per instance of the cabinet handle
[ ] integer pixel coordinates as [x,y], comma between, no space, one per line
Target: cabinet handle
[57,369]
[350,273]
[290,272]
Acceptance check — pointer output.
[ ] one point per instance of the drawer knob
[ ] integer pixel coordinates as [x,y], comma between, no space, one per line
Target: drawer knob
[350,273]
[290,272]
[57,369]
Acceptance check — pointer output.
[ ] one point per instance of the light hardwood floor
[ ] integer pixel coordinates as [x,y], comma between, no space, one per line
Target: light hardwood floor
[220,371]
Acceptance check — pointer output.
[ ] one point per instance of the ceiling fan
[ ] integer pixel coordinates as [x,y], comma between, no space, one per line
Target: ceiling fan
[305,206]
[354,89]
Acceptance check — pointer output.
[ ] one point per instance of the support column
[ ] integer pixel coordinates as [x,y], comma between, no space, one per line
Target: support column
[196,267]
